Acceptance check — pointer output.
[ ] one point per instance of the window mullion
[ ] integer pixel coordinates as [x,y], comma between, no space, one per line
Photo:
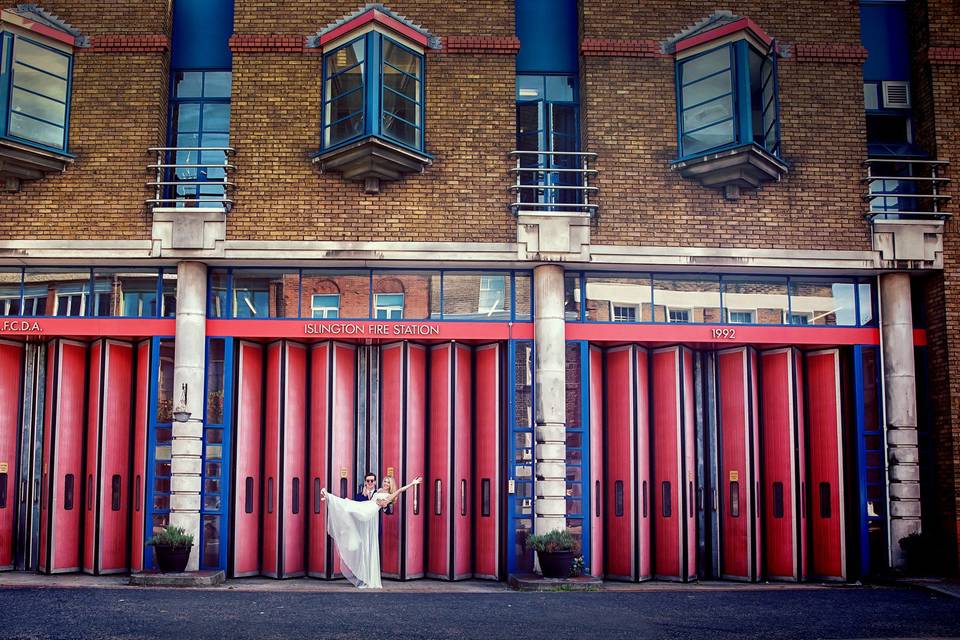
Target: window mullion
[741,106]
[374,82]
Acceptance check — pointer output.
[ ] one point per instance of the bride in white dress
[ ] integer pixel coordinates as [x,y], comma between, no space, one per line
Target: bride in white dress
[355,528]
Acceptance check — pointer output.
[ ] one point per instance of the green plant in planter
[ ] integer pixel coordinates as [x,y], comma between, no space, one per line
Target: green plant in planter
[553,542]
[919,552]
[556,551]
[173,537]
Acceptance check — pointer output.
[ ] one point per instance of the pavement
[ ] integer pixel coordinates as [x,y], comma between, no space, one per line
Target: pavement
[467,610]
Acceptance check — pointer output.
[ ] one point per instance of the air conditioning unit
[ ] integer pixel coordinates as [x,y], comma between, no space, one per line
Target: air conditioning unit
[896,95]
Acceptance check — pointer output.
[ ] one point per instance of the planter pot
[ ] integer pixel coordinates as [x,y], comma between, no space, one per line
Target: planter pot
[170,559]
[556,564]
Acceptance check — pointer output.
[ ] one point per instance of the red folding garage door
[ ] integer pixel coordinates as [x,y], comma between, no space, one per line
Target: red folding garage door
[783,455]
[402,454]
[11,372]
[107,492]
[247,451]
[487,452]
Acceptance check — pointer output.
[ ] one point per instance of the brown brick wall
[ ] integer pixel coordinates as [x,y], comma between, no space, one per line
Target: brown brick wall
[461,197]
[630,121]
[118,110]
[480,17]
[836,21]
[936,91]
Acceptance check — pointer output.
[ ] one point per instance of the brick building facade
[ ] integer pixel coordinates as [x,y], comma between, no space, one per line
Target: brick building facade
[623,230]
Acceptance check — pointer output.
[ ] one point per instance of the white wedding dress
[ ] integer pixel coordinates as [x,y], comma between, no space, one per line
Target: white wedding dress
[355,529]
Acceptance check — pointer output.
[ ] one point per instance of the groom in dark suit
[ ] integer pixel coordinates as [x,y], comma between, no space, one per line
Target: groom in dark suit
[368,489]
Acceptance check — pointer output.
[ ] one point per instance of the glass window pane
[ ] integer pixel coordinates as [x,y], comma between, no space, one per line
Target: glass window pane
[401,131]
[345,57]
[211,542]
[343,130]
[165,383]
[168,305]
[530,88]
[187,117]
[398,105]
[573,391]
[523,296]
[702,66]
[10,291]
[421,293]
[31,129]
[401,58]
[125,292]
[40,82]
[41,57]
[270,293]
[215,362]
[476,296]
[344,105]
[707,113]
[708,138]
[619,298]
[37,106]
[216,117]
[752,300]
[188,84]
[216,84]
[523,386]
[571,296]
[351,288]
[686,299]
[56,291]
[217,294]
[865,291]
[344,83]
[823,302]
[402,84]
[560,88]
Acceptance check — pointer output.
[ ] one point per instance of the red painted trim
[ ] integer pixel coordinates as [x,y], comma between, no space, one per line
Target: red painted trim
[49,32]
[941,55]
[743,24]
[139,43]
[88,327]
[479,44]
[919,337]
[622,48]
[425,330]
[379,17]
[704,334]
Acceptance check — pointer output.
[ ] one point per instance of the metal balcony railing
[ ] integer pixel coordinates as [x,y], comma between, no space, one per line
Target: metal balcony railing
[553,182]
[192,177]
[902,188]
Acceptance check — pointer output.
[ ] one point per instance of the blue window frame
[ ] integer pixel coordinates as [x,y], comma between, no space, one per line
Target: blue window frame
[35,85]
[373,86]
[727,98]
[217,453]
[200,118]
[521,452]
[548,117]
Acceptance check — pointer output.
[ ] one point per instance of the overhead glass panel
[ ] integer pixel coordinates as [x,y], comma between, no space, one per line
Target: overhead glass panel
[269,293]
[613,298]
[755,300]
[684,299]
[823,302]
[335,294]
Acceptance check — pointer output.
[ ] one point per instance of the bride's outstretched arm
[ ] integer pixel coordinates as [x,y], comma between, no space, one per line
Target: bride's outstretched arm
[416,481]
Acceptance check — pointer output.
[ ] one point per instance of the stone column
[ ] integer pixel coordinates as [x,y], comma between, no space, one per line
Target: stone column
[188,379]
[900,391]
[550,377]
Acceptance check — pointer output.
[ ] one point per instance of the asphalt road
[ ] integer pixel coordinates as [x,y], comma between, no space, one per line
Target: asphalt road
[180,615]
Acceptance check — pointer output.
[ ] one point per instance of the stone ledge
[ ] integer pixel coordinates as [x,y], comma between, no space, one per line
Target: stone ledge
[188,579]
[533,582]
